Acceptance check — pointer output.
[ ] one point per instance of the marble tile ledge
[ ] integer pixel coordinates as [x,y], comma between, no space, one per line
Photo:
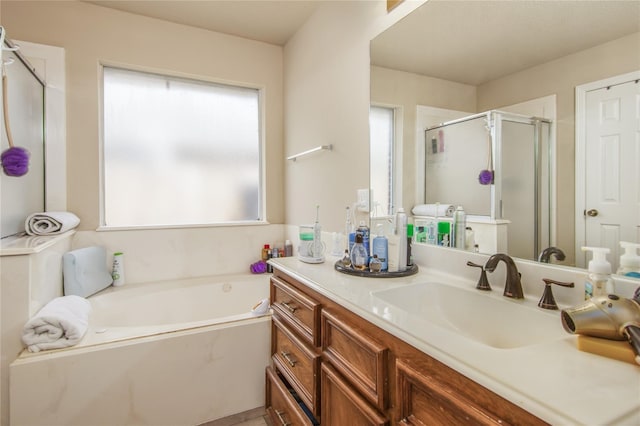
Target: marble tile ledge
[23,244]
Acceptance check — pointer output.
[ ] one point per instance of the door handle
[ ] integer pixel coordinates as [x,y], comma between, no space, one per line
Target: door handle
[592,213]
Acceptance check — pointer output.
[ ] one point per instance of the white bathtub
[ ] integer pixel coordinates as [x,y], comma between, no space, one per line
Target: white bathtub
[170,353]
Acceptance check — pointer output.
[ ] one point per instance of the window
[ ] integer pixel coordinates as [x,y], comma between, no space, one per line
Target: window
[382,130]
[179,151]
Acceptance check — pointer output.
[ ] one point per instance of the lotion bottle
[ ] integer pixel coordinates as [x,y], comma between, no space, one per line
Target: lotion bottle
[598,281]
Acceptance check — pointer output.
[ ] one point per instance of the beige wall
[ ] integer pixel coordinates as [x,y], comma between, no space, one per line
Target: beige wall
[560,77]
[91,34]
[327,102]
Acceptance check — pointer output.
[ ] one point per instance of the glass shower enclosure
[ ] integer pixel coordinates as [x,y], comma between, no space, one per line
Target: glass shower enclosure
[517,149]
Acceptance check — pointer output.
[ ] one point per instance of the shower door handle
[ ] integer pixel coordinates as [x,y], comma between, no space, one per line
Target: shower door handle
[592,213]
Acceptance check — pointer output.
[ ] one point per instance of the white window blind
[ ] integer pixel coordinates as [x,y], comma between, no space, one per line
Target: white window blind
[178,151]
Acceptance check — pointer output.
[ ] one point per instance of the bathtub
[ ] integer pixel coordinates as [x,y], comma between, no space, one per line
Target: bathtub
[170,353]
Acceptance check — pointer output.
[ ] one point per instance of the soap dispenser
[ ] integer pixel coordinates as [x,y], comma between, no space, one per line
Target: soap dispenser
[598,281]
[629,261]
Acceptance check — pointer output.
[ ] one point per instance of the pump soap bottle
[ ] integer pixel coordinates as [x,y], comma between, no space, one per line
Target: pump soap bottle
[629,261]
[598,281]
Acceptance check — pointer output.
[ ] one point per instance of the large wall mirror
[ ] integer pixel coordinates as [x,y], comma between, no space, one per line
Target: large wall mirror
[451,59]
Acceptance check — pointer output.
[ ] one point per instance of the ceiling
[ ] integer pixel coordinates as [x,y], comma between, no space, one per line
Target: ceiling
[270,21]
[476,41]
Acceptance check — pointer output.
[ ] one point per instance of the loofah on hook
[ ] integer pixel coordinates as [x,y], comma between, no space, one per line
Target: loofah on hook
[260,267]
[15,161]
[485,177]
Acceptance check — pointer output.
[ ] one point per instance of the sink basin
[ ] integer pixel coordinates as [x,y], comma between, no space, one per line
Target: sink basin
[487,318]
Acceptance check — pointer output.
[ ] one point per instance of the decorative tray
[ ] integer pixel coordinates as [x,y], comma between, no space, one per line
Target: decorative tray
[340,267]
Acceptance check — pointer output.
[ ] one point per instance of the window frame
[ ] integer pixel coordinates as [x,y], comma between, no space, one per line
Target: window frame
[262,220]
[395,185]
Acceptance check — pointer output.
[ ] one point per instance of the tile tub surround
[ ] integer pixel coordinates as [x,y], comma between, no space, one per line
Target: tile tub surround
[552,380]
[30,276]
[180,340]
[180,378]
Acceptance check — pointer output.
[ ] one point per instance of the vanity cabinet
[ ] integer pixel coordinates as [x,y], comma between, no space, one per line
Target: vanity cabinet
[332,367]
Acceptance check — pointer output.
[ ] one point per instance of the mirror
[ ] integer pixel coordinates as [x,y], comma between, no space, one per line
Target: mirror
[460,58]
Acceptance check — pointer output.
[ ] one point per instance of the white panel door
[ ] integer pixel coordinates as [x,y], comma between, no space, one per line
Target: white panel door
[612,168]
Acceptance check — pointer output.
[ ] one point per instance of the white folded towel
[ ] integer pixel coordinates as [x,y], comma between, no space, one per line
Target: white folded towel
[439,210]
[50,223]
[59,324]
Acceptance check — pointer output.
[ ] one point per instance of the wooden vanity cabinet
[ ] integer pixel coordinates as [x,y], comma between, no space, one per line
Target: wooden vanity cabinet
[364,375]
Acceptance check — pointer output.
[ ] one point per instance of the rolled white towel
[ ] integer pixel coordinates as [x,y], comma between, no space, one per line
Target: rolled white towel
[50,223]
[434,210]
[59,324]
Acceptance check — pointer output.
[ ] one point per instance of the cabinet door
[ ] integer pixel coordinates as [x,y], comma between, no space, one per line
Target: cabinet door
[424,400]
[298,363]
[357,356]
[301,312]
[342,405]
[282,408]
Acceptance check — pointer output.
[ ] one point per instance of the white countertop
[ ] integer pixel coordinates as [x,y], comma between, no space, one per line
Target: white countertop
[552,380]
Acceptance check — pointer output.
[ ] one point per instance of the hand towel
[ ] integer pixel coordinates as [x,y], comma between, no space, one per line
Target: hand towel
[439,210]
[50,223]
[59,324]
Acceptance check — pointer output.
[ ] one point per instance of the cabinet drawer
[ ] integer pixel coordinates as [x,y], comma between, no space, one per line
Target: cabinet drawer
[282,408]
[358,357]
[298,363]
[425,400]
[343,405]
[301,312]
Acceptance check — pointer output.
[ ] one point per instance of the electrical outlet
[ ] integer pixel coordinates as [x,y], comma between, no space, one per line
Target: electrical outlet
[363,200]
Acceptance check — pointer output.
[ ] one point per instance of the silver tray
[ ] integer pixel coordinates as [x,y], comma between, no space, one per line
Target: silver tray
[340,267]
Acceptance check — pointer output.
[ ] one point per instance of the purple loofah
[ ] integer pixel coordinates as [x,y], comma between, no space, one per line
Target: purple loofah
[485,177]
[260,267]
[15,161]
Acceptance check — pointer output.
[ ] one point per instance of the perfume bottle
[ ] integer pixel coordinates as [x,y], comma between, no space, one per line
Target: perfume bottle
[359,255]
[375,265]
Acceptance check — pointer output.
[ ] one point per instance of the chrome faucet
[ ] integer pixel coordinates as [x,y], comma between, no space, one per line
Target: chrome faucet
[512,286]
[545,255]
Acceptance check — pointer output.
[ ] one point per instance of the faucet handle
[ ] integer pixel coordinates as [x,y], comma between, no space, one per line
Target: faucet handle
[547,301]
[483,282]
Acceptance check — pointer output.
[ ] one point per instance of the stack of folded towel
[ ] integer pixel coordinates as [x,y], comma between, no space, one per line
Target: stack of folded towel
[59,324]
[440,210]
[50,223]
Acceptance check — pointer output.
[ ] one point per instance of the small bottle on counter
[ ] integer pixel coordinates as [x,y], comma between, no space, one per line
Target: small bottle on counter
[409,239]
[346,260]
[375,265]
[359,255]
[401,231]
[118,269]
[288,248]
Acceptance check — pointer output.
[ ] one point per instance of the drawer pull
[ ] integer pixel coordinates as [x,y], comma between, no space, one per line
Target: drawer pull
[289,307]
[287,356]
[280,415]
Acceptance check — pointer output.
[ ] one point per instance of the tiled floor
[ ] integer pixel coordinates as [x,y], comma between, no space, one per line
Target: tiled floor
[256,417]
